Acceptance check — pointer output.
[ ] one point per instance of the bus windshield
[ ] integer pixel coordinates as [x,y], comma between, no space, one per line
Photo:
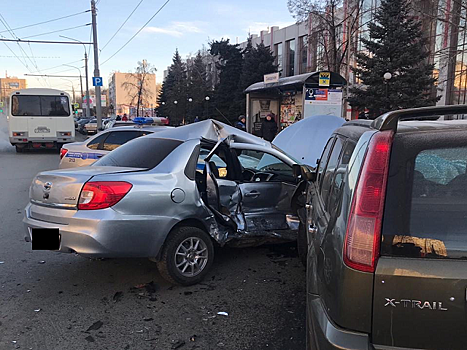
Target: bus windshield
[34,105]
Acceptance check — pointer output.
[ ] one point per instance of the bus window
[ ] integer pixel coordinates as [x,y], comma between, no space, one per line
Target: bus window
[29,105]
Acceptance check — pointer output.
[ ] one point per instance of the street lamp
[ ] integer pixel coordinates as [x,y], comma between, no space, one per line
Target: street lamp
[207,98]
[88,107]
[72,88]
[387,76]
[80,81]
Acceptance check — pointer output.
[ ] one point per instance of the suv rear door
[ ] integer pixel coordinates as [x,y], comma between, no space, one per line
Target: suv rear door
[421,278]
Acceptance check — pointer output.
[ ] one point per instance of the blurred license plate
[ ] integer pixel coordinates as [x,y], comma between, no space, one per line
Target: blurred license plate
[45,238]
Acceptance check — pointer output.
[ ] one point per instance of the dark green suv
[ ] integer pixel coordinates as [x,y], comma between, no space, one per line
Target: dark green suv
[385,229]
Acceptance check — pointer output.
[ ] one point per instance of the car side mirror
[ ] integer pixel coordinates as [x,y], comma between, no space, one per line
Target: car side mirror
[308,173]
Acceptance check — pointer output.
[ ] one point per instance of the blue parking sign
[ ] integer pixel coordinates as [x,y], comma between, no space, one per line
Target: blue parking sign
[96,81]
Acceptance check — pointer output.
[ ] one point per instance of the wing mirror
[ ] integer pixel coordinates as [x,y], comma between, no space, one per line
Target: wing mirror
[304,172]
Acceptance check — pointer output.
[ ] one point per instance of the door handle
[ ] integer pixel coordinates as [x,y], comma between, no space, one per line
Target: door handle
[252,194]
[99,156]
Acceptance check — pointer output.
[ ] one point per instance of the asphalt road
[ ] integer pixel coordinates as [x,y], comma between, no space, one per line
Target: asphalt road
[52,301]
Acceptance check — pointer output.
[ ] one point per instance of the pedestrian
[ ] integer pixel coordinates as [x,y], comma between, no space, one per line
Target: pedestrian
[241,123]
[268,128]
[196,119]
[118,118]
[124,118]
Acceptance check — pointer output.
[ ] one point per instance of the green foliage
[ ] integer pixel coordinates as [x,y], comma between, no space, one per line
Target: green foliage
[227,95]
[174,92]
[396,45]
[198,88]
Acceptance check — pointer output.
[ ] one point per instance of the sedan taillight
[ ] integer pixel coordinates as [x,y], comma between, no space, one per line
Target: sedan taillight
[63,152]
[102,194]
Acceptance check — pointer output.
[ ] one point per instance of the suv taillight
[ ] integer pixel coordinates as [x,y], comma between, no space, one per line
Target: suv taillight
[102,194]
[362,240]
[63,152]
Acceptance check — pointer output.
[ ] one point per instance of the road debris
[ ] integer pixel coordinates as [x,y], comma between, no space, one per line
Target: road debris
[223,313]
[117,297]
[37,310]
[95,326]
[178,344]
[42,262]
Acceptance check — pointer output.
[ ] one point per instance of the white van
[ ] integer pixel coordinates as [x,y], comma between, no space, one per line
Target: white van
[40,118]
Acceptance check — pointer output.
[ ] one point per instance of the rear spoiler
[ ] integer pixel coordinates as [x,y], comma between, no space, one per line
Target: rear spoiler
[388,121]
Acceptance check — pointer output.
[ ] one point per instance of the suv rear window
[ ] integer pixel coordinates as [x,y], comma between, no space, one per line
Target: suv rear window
[144,153]
[432,219]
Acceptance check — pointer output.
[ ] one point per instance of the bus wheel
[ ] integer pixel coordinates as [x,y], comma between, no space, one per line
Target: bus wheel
[19,149]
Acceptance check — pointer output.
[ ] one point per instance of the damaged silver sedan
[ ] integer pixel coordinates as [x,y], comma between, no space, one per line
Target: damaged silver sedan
[169,196]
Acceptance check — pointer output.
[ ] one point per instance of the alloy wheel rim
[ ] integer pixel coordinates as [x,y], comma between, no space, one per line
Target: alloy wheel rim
[191,257]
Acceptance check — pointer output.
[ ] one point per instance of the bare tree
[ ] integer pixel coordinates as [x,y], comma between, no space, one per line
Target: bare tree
[137,85]
[333,27]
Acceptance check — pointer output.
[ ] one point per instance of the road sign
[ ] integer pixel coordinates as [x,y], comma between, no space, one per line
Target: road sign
[96,81]
[76,105]
[1,104]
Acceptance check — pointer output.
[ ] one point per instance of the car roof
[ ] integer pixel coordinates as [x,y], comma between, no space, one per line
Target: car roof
[355,128]
[138,127]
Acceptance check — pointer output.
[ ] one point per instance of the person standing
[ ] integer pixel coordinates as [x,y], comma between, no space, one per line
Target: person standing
[124,118]
[241,123]
[268,128]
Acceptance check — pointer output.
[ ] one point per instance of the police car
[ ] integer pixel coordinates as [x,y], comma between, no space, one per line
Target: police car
[85,153]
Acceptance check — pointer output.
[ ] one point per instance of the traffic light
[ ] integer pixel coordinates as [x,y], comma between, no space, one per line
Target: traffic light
[1,110]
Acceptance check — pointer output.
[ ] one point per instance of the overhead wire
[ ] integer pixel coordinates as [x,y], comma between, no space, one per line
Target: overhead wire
[56,31]
[52,20]
[126,20]
[144,25]
[7,26]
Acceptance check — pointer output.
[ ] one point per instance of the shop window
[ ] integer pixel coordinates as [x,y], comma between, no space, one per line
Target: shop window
[279,58]
[303,54]
[291,58]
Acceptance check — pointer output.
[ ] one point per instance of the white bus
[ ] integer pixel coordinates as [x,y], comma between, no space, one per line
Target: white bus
[40,118]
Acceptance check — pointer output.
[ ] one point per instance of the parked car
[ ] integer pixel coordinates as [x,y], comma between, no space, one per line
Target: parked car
[85,153]
[385,234]
[114,123]
[149,198]
[81,124]
[91,127]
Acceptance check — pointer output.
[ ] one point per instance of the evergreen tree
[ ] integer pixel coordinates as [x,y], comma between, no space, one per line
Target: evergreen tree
[197,88]
[226,96]
[395,45]
[258,61]
[174,92]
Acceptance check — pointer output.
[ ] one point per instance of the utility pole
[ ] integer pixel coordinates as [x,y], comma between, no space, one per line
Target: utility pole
[88,108]
[96,65]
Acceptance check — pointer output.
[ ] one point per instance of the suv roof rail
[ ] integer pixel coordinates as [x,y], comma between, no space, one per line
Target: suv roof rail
[388,121]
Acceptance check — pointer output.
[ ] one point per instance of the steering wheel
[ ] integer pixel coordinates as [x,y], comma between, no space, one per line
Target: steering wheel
[260,175]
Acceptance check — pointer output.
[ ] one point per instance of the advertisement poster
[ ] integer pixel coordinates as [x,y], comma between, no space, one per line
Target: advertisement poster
[322,102]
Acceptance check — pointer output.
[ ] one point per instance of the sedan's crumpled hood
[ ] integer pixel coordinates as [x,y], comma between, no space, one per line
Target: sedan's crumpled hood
[61,188]
[211,130]
[306,139]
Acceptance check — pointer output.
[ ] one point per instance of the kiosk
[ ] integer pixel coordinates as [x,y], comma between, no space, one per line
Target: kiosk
[291,99]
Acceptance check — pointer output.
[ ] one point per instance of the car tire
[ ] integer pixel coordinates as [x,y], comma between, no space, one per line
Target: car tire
[302,245]
[181,241]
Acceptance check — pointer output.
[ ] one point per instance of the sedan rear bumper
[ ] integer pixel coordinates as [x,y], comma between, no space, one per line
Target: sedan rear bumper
[100,233]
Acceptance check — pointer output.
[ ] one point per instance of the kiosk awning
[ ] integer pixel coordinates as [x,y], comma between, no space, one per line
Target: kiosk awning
[296,81]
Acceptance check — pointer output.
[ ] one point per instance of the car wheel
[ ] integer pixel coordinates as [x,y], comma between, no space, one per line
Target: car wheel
[187,256]
[302,245]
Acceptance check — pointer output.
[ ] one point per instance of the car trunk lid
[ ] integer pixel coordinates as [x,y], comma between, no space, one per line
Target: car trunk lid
[421,279]
[61,188]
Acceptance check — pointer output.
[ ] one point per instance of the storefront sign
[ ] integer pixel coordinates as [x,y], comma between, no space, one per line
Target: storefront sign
[324,78]
[271,78]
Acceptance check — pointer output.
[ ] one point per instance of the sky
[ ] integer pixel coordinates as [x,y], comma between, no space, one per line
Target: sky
[183,24]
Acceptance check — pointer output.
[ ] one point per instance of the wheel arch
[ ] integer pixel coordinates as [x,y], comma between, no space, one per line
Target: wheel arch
[188,222]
